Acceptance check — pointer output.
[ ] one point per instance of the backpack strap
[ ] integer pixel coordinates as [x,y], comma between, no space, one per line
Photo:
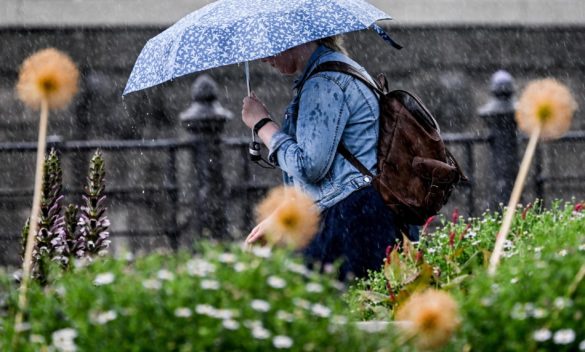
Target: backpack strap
[338,66]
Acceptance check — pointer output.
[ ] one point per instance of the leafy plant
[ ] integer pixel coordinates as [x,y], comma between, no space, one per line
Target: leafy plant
[67,233]
[93,223]
[224,298]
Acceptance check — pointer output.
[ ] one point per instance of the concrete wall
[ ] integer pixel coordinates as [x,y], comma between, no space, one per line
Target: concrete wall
[446,60]
[405,12]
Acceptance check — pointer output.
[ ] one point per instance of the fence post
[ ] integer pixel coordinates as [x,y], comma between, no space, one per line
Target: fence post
[205,120]
[498,114]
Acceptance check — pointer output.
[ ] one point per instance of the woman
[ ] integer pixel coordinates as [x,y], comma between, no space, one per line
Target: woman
[329,108]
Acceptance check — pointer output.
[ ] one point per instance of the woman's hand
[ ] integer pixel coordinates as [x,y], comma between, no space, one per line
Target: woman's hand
[257,233]
[253,110]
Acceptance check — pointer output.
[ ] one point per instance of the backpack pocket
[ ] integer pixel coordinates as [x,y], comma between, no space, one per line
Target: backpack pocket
[439,177]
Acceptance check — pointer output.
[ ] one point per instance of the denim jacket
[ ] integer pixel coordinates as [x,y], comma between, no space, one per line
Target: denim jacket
[332,107]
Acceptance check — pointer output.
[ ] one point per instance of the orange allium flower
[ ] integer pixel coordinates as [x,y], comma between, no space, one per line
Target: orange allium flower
[293,217]
[431,318]
[547,103]
[47,75]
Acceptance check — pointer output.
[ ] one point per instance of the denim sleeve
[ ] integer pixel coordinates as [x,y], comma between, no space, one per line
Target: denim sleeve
[322,116]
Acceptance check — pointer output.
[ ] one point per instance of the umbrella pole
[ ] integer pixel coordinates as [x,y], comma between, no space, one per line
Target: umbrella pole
[247,71]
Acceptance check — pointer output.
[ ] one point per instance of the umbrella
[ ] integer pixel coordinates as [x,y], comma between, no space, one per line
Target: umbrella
[235,31]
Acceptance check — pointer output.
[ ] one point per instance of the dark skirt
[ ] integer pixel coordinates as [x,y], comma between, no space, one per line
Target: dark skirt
[356,232]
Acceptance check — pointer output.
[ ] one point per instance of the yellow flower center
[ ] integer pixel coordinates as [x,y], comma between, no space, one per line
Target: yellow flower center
[429,321]
[544,113]
[290,220]
[48,85]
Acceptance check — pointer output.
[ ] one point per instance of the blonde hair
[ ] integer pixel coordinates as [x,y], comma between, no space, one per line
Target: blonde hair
[334,43]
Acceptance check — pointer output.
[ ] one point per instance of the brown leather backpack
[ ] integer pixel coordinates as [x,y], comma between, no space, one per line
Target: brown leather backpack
[416,172]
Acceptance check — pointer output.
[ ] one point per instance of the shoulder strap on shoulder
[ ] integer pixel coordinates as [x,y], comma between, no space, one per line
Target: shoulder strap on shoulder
[338,66]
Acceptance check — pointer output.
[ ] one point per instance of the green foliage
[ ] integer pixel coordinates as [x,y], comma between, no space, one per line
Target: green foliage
[535,302]
[223,299]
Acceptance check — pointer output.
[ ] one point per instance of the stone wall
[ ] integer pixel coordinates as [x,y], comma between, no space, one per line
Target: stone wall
[448,66]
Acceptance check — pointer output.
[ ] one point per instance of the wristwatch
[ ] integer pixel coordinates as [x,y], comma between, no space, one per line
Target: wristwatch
[261,124]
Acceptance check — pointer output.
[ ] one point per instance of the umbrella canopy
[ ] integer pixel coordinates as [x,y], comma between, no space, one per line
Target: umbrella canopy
[234,31]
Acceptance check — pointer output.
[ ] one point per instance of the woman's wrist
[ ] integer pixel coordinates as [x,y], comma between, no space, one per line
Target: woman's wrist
[261,123]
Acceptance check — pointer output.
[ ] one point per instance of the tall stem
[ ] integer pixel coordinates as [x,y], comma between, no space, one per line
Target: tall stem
[34,216]
[514,198]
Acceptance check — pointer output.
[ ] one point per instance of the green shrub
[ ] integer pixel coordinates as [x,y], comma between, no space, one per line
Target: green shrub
[224,299]
[536,300]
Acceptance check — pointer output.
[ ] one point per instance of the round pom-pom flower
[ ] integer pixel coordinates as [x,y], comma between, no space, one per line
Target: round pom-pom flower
[546,104]
[431,317]
[47,75]
[293,217]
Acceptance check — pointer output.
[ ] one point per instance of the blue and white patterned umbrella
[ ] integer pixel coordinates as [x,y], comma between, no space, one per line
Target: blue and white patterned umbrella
[234,31]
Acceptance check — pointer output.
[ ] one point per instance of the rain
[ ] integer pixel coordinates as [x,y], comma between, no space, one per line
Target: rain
[178,171]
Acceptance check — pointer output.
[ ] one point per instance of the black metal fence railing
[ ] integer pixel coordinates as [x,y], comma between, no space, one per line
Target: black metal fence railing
[194,194]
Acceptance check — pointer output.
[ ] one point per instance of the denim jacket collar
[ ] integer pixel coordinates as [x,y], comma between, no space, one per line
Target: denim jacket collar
[320,51]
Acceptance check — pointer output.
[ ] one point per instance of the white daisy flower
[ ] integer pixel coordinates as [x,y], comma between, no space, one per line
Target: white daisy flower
[298,268]
[204,309]
[260,305]
[260,333]
[281,341]
[104,279]
[239,267]
[320,310]
[152,284]
[63,340]
[373,326]
[210,285]
[227,258]
[276,282]
[183,312]
[102,318]
[222,314]
[199,267]
[262,252]
[339,320]
[542,335]
[561,303]
[564,337]
[230,324]
[314,287]
[165,275]
[582,346]
[302,303]
[285,316]
[508,244]
[34,338]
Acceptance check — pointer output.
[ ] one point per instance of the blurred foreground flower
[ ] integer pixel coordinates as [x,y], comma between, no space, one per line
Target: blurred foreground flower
[47,75]
[544,111]
[546,103]
[293,217]
[47,80]
[431,318]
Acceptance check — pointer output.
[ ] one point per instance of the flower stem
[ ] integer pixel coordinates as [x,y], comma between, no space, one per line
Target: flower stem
[514,198]
[34,217]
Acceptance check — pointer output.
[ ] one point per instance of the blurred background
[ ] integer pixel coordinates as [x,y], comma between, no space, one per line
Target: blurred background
[177,167]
